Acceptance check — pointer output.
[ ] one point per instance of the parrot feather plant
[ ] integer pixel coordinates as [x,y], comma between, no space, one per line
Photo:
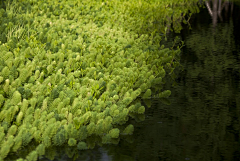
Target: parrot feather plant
[72,73]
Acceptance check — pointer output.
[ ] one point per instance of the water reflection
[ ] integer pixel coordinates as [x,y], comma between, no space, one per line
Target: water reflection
[68,154]
[217,8]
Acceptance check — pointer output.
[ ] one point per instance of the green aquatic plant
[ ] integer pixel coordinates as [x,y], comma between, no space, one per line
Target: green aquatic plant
[40,149]
[147,94]
[164,94]
[114,133]
[12,130]
[33,156]
[16,98]
[82,146]
[128,130]
[72,142]
[61,84]
[18,143]
[4,151]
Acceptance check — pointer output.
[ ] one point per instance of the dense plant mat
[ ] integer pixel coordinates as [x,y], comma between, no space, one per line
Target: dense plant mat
[74,70]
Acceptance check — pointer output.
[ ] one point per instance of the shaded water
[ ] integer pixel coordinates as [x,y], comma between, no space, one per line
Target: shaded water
[202,121]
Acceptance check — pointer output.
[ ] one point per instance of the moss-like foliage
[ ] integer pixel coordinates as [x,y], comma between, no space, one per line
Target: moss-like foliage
[114,133]
[72,70]
[72,142]
[82,146]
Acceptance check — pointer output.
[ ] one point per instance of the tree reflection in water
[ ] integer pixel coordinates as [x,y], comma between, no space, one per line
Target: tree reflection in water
[217,7]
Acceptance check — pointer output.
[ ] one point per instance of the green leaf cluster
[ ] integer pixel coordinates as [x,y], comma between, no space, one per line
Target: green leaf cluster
[71,70]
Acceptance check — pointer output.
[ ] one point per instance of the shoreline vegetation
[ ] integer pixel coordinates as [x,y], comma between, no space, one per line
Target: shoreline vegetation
[72,73]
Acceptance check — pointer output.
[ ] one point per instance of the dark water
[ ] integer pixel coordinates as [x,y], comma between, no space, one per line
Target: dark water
[202,121]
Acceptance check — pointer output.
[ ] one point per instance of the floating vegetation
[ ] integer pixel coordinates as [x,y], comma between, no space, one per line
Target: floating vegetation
[72,72]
